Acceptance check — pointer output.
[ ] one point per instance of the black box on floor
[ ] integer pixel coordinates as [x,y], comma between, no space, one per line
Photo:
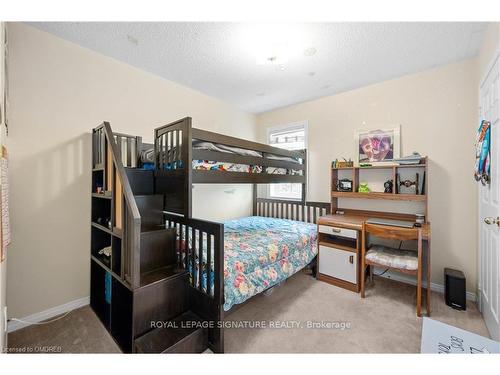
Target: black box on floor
[454,288]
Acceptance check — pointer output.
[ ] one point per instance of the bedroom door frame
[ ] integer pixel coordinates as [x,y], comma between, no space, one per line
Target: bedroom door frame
[489,205]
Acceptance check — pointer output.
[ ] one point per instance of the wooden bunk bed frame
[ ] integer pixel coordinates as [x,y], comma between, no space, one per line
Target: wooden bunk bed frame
[173,144]
[194,237]
[175,141]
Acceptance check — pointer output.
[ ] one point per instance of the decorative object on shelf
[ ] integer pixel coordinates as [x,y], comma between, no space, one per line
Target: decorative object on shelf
[422,190]
[344,185]
[377,145]
[388,185]
[412,159]
[363,187]
[106,251]
[342,164]
[408,184]
[482,165]
[419,220]
[104,221]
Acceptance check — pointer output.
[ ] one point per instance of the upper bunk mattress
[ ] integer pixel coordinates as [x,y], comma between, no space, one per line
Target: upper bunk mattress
[147,156]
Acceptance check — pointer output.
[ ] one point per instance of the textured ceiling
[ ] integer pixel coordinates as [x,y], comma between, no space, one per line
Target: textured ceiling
[220,59]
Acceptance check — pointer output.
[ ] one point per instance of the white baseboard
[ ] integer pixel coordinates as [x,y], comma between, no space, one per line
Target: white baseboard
[439,288]
[14,325]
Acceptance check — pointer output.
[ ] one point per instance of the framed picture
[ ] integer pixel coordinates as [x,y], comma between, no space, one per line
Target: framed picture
[375,145]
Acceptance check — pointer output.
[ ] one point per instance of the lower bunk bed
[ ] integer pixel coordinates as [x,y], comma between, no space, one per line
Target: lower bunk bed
[229,263]
[259,253]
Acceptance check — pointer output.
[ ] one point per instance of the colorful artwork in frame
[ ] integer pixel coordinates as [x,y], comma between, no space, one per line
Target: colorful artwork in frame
[376,145]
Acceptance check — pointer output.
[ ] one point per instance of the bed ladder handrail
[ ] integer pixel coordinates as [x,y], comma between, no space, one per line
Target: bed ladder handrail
[131,218]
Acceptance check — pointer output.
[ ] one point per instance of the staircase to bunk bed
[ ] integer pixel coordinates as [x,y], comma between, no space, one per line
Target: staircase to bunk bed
[149,266]
[139,289]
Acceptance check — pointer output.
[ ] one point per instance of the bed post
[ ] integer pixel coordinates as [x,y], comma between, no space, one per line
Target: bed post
[304,184]
[187,158]
[254,200]
[218,332]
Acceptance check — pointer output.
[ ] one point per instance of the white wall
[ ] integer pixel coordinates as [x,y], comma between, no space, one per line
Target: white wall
[3,265]
[58,92]
[489,47]
[437,111]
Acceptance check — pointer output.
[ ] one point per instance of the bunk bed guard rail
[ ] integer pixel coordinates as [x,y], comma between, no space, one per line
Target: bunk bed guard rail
[174,156]
[200,251]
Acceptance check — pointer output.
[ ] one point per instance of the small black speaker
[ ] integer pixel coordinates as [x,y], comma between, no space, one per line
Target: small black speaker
[454,288]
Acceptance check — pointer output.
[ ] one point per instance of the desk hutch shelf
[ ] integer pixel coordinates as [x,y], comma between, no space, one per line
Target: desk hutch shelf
[353,173]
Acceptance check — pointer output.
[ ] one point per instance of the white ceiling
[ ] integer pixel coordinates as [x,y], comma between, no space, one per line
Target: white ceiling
[220,59]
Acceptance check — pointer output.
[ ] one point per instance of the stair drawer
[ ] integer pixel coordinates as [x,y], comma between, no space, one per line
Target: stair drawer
[338,263]
[341,232]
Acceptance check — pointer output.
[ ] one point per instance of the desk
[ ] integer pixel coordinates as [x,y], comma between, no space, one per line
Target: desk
[353,220]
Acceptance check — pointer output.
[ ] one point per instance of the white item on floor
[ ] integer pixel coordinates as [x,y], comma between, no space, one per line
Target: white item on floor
[442,338]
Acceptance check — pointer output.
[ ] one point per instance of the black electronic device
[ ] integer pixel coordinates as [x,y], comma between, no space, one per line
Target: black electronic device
[454,288]
[344,185]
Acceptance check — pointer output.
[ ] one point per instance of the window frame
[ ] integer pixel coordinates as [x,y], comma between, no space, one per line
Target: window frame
[304,124]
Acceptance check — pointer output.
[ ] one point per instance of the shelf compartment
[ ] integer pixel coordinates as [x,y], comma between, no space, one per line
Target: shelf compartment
[99,240]
[98,296]
[380,195]
[97,179]
[101,211]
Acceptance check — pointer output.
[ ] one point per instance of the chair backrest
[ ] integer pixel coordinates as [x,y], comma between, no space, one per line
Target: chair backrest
[393,233]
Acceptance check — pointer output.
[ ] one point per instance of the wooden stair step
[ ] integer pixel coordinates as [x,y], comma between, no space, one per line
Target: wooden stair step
[150,208]
[141,181]
[157,249]
[161,274]
[182,335]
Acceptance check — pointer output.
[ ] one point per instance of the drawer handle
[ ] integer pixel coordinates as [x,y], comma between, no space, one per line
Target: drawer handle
[351,259]
[335,230]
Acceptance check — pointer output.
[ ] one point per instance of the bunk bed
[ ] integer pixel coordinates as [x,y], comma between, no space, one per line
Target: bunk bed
[211,268]
[244,257]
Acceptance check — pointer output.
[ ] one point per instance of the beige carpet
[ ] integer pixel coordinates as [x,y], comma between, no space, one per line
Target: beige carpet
[384,322]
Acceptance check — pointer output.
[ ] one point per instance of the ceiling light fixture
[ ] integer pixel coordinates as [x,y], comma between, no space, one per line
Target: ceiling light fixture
[132,40]
[274,44]
[310,51]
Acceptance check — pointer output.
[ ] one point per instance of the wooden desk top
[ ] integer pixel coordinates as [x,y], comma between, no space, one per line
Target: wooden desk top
[355,221]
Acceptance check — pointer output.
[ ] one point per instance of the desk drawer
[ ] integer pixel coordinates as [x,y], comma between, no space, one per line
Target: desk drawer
[338,263]
[341,232]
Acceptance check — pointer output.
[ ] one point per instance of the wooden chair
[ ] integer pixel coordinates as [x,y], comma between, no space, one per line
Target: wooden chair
[400,260]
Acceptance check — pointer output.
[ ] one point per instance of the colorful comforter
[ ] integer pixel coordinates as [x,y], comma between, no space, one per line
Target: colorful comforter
[259,253]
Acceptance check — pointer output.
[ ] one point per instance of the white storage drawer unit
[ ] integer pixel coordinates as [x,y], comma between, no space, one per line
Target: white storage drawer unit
[338,263]
[341,232]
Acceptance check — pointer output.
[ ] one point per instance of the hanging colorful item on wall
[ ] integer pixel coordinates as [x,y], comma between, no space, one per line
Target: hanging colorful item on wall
[482,167]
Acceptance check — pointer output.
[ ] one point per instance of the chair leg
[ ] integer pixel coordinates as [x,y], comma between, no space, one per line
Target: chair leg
[419,292]
[363,266]
[362,276]
[371,275]
[428,307]
[419,275]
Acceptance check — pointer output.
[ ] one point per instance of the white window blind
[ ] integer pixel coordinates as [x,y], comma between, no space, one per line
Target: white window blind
[291,137]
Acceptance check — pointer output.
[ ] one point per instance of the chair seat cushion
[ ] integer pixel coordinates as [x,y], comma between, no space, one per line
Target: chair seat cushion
[394,258]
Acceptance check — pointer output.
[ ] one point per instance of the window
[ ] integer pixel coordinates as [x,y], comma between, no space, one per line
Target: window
[290,137]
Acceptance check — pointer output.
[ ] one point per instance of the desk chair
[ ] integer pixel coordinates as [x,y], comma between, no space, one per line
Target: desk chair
[405,261]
